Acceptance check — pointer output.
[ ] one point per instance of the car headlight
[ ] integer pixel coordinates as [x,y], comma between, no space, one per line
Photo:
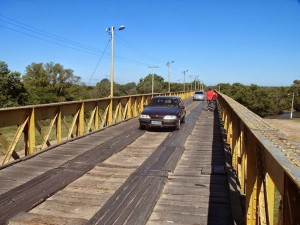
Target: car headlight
[143,116]
[170,117]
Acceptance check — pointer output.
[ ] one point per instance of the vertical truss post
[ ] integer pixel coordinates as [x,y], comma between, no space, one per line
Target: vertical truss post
[31,133]
[251,182]
[58,126]
[80,122]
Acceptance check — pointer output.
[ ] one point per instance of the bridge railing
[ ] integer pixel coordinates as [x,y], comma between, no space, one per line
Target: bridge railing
[267,165]
[27,130]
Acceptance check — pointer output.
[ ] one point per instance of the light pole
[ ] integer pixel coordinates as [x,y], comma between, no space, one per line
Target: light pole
[111,31]
[292,108]
[153,67]
[184,79]
[196,79]
[168,64]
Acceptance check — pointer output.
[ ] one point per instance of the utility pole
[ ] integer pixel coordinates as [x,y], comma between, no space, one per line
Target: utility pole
[184,79]
[111,31]
[292,108]
[168,64]
[153,67]
[196,79]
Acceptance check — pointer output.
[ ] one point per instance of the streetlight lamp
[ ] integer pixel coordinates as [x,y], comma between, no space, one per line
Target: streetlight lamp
[184,79]
[111,31]
[153,67]
[168,64]
[292,108]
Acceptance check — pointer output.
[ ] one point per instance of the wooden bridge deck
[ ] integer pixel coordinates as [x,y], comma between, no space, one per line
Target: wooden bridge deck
[123,175]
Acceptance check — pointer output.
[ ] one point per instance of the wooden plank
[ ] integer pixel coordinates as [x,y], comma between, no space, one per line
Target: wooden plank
[43,186]
[102,180]
[146,205]
[31,218]
[128,204]
[175,218]
[190,197]
[112,204]
[172,162]
[150,170]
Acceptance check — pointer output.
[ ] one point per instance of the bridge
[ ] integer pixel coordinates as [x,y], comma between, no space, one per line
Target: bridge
[86,162]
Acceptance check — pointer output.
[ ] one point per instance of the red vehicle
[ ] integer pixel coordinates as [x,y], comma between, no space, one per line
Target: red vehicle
[163,111]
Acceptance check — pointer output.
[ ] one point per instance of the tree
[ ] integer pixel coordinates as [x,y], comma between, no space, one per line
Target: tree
[50,82]
[12,90]
[103,88]
[145,84]
[130,89]
[264,101]
[296,89]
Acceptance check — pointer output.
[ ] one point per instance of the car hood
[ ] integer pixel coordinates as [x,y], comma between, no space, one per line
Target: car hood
[160,110]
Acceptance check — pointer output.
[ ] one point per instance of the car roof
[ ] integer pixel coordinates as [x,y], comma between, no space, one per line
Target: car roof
[167,97]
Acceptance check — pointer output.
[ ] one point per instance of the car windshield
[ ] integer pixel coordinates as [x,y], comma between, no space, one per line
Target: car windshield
[199,92]
[159,102]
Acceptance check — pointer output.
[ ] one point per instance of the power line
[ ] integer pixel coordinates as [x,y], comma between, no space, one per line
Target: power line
[130,46]
[42,33]
[99,61]
[52,42]
[140,53]
[61,41]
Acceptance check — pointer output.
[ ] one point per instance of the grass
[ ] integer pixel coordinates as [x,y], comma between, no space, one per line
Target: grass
[10,132]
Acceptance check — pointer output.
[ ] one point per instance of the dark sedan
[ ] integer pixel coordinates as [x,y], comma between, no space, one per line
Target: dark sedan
[163,111]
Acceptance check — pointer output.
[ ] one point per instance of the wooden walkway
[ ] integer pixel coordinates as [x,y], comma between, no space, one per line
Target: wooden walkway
[123,175]
[197,190]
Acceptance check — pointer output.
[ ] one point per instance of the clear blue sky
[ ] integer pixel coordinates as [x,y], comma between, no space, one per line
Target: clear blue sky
[250,42]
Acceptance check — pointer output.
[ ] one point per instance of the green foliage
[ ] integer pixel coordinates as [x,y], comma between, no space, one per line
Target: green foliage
[103,88]
[264,101]
[50,82]
[130,89]
[296,90]
[145,84]
[46,83]
[12,90]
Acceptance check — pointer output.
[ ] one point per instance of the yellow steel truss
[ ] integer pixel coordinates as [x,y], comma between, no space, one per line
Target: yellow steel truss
[44,125]
[265,163]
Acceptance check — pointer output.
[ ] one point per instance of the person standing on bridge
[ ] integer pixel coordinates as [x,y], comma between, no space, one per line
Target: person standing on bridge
[209,98]
[215,96]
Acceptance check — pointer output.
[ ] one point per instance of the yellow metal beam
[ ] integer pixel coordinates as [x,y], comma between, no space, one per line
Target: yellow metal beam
[31,133]
[73,124]
[251,182]
[46,137]
[92,118]
[80,121]
[58,127]
[13,144]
